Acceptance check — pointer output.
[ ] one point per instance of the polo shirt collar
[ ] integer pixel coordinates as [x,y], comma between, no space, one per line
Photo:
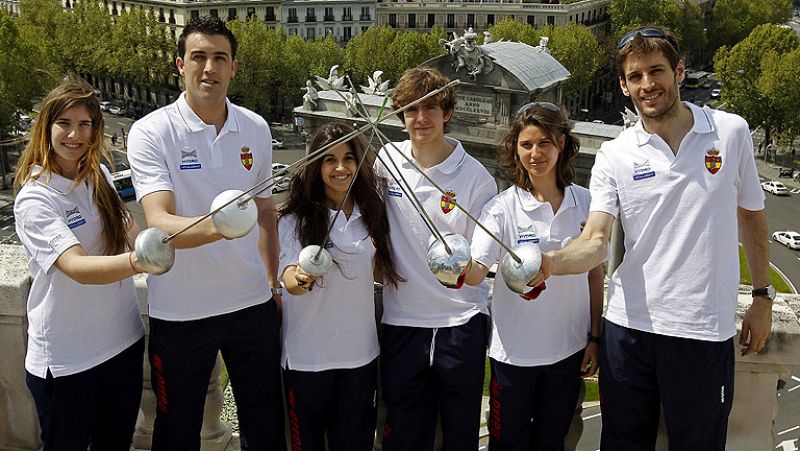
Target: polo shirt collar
[531,203]
[702,124]
[354,215]
[450,164]
[55,181]
[196,125]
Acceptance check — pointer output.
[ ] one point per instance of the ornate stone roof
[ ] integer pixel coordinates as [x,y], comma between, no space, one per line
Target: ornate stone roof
[534,67]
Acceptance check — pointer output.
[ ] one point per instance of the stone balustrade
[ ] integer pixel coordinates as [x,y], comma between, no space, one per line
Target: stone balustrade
[755,401]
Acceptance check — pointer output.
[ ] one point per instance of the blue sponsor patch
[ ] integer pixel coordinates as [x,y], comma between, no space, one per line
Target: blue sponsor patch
[329,244]
[644,175]
[395,191]
[184,167]
[77,223]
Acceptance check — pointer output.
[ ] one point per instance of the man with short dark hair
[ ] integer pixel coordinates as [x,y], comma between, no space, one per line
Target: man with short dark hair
[217,296]
[684,184]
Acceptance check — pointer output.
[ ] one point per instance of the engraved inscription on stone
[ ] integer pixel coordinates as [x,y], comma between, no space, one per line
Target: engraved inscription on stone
[475,104]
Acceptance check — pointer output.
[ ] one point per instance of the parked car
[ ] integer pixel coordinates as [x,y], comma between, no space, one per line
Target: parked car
[281,182]
[776,188]
[716,93]
[788,238]
[105,105]
[117,110]
[133,114]
[277,143]
[785,172]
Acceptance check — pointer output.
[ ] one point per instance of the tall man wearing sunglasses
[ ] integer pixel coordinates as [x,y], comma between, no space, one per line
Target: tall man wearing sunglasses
[684,184]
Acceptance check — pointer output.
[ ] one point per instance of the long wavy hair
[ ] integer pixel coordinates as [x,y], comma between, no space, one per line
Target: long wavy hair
[39,151]
[555,124]
[307,201]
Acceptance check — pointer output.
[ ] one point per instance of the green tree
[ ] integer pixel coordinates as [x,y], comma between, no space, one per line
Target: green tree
[140,48]
[780,85]
[39,22]
[411,49]
[733,20]
[368,52]
[682,17]
[748,88]
[86,37]
[511,30]
[27,74]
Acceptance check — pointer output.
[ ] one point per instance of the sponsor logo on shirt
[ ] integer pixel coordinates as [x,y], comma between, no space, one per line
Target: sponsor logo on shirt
[642,171]
[448,201]
[527,235]
[329,245]
[713,160]
[189,160]
[247,158]
[394,190]
[74,218]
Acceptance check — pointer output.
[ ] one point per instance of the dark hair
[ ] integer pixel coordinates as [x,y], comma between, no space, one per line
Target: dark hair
[206,25]
[419,81]
[307,201]
[647,40]
[70,93]
[555,123]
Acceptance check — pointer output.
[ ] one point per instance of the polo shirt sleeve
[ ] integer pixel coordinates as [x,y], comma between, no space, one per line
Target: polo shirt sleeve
[290,245]
[749,195]
[42,230]
[149,169]
[483,194]
[485,250]
[603,184]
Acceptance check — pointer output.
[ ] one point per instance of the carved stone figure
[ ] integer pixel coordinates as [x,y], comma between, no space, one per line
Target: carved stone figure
[310,97]
[376,86]
[467,54]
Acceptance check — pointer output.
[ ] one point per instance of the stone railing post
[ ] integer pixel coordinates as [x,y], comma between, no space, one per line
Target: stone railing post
[19,427]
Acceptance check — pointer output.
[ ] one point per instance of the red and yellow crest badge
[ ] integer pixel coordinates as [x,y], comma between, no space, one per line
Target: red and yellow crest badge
[247,158]
[448,202]
[713,160]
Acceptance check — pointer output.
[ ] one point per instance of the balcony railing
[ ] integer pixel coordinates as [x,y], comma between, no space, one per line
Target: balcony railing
[292,19]
[311,18]
[329,19]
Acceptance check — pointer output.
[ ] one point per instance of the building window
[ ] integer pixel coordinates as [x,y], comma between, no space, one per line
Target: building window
[213,12]
[293,16]
[311,15]
[311,33]
[231,14]
[347,33]
[490,19]
[347,14]
[328,31]
[393,20]
[412,21]
[531,20]
[161,17]
[329,14]
[451,21]
[172,16]
[292,31]
[365,13]
[431,20]
[194,14]
[551,20]
[364,29]
[270,15]
[251,12]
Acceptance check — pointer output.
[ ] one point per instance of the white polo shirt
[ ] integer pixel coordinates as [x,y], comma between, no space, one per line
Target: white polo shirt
[172,149]
[422,301]
[333,325]
[680,273]
[554,325]
[71,327]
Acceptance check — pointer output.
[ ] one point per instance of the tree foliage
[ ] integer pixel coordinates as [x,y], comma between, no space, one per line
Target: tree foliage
[759,77]
[733,20]
[682,17]
[573,45]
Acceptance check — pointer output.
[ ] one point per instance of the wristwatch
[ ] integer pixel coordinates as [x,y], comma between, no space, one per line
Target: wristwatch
[277,291]
[767,292]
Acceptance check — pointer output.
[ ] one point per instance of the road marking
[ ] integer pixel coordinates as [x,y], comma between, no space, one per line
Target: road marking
[591,416]
[795,191]
[789,430]
[787,445]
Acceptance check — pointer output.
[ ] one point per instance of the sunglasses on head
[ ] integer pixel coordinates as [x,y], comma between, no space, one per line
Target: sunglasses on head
[546,105]
[647,33]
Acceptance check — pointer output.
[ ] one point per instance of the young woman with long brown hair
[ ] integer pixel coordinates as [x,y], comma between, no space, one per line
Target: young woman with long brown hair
[85,336]
[330,340]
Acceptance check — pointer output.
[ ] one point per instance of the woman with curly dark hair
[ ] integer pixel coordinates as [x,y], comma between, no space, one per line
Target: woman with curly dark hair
[539,348]
[330,340]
